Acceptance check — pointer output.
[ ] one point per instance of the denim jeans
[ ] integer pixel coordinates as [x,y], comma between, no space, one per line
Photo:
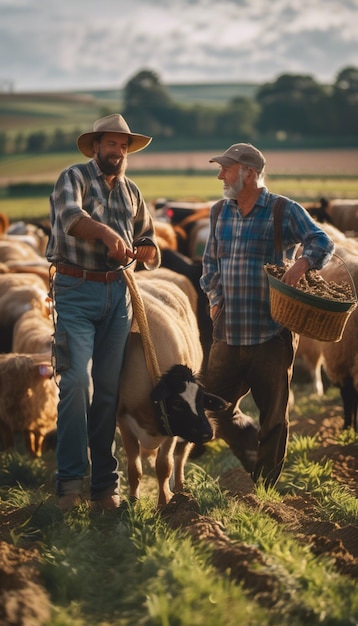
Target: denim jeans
[92,327]
[265,369]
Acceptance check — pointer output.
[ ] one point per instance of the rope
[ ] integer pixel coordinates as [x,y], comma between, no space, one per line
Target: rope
[141,317]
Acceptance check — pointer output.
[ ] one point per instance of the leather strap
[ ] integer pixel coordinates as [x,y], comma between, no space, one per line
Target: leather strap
[77,272]
[277,209]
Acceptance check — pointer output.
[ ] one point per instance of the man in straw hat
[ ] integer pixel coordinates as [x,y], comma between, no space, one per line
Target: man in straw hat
[250,351]
[99,223]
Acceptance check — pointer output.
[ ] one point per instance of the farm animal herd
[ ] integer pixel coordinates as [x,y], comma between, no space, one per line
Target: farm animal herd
[166,415]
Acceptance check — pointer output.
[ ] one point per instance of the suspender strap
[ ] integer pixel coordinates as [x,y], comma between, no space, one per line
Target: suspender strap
[277,210]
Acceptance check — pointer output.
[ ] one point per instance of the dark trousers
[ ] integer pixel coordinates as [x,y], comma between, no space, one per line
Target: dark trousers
[266,370]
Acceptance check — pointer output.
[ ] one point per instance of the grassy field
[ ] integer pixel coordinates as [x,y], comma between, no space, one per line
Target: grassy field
[223,552]
[194,188]
[303,175]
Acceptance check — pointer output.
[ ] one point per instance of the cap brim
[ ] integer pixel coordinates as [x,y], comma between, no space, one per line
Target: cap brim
[223,161]
[85,142]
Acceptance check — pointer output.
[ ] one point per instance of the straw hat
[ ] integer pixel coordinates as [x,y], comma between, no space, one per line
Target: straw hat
[114,123]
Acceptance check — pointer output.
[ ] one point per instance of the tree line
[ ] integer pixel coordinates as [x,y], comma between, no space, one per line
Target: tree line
[292,108]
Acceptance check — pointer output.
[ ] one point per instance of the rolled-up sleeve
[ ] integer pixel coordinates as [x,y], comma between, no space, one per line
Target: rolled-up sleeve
[316,246]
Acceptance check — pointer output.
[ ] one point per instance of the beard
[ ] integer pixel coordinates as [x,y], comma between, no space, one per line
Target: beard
[231,192]
[110,168]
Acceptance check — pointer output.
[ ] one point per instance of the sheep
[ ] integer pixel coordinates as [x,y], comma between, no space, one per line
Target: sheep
[166,235]
[9,280]
[340,359]
[309,353]
[31,234]
[12,250]
[17,299]
[176,278]
[19,257]
[237,429]
[183,265]
[28,400]
[33,332]
[341,213]
[175,336]
[152,413]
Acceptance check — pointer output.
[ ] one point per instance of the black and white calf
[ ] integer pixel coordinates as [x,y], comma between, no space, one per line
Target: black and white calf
[151,419]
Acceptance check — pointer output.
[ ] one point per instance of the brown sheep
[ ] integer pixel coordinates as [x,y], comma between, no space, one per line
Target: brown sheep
[343,214]
[309,354]
[340,359]
[28,400]
[166,235]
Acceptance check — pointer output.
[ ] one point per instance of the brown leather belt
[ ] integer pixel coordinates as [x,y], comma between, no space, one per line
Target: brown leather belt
[77,272]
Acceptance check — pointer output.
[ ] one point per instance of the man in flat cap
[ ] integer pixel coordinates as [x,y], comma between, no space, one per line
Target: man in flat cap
[98,222]
[251,351]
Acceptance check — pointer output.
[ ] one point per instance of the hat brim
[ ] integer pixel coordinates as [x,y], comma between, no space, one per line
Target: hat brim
[85,142]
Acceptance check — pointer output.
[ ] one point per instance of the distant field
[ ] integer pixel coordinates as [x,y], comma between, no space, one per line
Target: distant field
[197,188]
[45,168]
[303,175]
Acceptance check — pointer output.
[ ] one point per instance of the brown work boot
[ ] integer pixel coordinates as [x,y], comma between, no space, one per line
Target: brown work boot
[69,501]
[106,503]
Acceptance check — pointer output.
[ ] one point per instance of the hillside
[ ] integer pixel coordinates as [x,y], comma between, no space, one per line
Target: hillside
[25,112]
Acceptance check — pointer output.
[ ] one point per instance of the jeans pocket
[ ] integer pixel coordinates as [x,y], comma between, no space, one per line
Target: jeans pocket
[61,351]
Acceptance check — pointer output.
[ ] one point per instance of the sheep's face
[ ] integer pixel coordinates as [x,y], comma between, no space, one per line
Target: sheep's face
[180,404]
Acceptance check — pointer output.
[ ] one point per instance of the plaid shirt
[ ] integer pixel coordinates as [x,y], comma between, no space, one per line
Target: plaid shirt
[233,264]
[81,191]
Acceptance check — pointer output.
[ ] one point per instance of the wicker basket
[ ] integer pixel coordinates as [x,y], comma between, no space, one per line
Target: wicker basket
[307,314]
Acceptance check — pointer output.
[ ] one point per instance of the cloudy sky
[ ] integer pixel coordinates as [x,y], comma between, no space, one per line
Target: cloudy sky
[61,45]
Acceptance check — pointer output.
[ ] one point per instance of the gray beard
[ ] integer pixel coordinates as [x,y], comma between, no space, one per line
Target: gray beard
[231,192]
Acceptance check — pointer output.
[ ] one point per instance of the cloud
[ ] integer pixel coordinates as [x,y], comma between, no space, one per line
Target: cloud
[75,44]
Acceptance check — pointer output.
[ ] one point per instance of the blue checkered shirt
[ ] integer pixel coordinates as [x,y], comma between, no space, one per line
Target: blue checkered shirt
[236,251]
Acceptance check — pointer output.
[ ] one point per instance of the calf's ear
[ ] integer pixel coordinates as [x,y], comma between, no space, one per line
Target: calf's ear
[160,391]
[215,403]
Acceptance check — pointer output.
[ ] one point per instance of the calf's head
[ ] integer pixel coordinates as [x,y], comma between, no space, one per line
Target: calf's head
[180,403]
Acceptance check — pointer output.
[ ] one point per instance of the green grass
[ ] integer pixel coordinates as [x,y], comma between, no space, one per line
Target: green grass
[192,188]
[132,568]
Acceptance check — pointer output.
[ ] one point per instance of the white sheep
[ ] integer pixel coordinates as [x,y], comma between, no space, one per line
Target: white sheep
[28,399]
[175,278]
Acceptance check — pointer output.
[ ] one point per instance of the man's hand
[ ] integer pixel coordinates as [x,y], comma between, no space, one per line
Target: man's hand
[294,273]
[144,253]
[117,249]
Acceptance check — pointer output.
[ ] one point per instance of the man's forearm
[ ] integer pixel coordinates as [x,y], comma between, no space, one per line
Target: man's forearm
[88,229]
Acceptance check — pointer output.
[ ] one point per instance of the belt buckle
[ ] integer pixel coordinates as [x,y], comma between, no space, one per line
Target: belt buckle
[107,275]
[84,274]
